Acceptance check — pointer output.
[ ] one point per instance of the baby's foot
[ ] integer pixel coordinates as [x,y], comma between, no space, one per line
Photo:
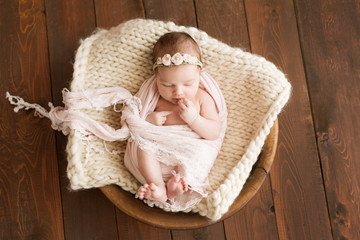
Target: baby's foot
[176,186]
[153,192]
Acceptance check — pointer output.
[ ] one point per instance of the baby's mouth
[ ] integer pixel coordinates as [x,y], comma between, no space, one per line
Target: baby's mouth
[177,100]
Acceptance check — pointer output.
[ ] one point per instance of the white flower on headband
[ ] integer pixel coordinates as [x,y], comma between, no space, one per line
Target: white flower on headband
[193,60]
[190,59]
[187,57]
[177,59]
[166,60]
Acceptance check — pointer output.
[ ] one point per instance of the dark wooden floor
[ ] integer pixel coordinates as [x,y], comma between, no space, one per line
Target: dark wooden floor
[312,191]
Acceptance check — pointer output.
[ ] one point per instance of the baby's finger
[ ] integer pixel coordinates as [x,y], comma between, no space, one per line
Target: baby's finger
[166,113]
[187,102]
[182,105]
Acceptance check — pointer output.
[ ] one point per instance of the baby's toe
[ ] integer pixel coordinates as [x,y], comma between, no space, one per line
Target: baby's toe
[184,184]
[152,186]
[141,195]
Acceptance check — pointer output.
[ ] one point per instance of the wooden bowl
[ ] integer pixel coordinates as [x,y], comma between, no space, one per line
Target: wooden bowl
[137,209]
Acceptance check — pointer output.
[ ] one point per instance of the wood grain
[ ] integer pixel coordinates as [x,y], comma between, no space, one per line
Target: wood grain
[30,202]
[299,198]
[129,228]
[213,232]
[110,13]
[330,33]
[87,214]
[180,12]
[256,220]
[224,20]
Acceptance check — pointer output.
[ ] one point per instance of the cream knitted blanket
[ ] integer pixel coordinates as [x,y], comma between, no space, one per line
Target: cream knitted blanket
[255,91]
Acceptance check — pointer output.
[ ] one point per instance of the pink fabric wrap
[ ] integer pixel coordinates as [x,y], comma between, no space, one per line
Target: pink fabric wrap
[178,149]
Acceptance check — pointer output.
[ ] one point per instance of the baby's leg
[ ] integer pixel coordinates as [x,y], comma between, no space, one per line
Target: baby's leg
[151,170]
[176,186]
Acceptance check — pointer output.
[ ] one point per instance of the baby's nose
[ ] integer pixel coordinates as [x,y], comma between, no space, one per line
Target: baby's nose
[178,90]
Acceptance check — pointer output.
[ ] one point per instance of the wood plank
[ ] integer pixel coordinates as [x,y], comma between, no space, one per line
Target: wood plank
[129,228]
[110,13]
[299,198]
[87,214]
[30,201]
[180,12]
[330,33]
[226,21]
[256,220]
[212,232]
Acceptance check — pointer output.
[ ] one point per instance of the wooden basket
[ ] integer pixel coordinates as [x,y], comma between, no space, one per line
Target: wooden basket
[156,217]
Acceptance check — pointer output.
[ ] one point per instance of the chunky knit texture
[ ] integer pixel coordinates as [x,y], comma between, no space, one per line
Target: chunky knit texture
[254,89]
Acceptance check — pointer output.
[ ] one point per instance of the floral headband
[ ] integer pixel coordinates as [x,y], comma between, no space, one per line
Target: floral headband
[177,59]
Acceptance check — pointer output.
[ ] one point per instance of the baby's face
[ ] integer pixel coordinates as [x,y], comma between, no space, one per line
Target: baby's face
[178,82]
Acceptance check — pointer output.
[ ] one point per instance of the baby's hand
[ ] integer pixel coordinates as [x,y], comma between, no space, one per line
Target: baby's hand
[158,118]
[188,111]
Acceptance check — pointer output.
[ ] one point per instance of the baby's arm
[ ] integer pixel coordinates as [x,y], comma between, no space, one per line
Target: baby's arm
[207,123]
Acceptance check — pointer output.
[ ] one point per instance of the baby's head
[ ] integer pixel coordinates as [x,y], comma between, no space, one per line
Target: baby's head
[177,66]
[173,42]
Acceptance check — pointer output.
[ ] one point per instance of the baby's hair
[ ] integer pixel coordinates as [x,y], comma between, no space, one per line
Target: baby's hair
[174,42]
